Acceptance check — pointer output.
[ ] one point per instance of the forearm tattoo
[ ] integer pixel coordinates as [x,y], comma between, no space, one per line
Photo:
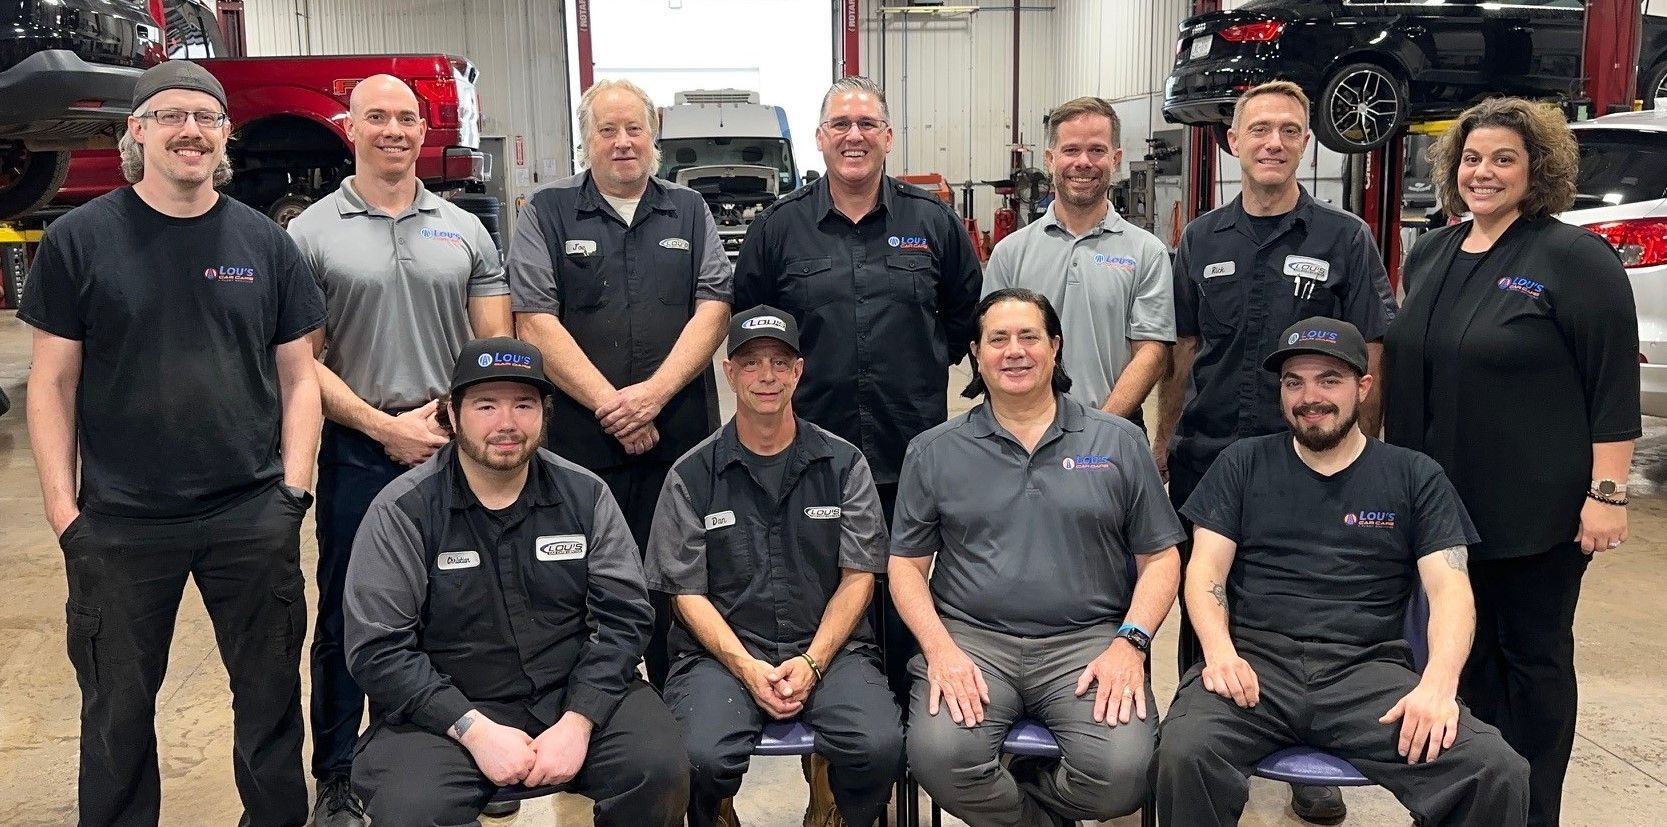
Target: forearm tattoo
[462,726]
[1458,558]
[1219,592]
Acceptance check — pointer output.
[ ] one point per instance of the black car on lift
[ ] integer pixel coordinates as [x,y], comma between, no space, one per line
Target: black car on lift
[1371,66]
[67,69]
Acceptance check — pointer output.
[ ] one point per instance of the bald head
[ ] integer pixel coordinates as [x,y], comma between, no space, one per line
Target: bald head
[381,91]
[386,127]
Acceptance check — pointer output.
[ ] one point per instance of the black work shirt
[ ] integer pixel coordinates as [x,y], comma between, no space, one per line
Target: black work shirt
[1536,359]
[769,564]
[884,307]
[1235,292]
[625,291]
[1323,558]
[177,410]
[449,604]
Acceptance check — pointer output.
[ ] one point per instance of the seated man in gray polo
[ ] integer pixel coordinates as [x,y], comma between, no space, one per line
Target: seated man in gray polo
[768,535]
[1037,510]
[1109,280]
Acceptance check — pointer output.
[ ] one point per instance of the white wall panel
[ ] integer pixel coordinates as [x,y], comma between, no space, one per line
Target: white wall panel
[519,46]
[949,82]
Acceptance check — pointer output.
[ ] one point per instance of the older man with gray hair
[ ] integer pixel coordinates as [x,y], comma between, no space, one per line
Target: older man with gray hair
[621,281]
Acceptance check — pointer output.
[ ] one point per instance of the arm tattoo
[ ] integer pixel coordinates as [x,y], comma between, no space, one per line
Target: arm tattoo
[459,729]
[1458,558]
[1219,592]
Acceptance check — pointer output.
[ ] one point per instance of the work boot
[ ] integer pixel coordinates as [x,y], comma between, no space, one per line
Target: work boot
[820,812]
[337,806]
[1318,805]
[726,814]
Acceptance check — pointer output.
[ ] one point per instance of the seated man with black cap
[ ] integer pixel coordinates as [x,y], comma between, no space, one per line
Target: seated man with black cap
[1312,542]
[768,535]
[495,614]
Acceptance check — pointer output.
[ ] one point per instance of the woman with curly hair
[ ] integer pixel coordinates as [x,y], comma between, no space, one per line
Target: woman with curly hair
[1514,364]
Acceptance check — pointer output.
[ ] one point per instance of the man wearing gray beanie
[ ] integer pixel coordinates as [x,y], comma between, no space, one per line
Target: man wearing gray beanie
[173,369]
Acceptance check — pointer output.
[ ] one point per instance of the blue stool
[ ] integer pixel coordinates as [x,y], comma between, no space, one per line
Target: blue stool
[1029,738]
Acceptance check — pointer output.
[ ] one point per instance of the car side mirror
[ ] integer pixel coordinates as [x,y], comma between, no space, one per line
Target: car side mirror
[811,175]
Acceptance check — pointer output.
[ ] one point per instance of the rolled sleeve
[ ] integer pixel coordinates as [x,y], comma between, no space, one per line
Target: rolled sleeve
[1152,316]
[862,525]
[486,271]
[914,524]
[676,558]
[620,617]
[529,269]
[387,584]
[716,279]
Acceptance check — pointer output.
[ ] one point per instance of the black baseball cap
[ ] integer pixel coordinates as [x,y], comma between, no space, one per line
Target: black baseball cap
[177,74]
[761,322]
[1324,336]
[500,359]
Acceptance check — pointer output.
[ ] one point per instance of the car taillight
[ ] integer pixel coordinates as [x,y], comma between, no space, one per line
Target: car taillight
[1266,31]
[1642,242]
[440,96]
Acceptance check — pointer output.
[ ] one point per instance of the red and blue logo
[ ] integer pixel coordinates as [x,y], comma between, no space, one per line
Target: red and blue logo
[1369,519]
[235,275]
[1086,462]
[1522,284]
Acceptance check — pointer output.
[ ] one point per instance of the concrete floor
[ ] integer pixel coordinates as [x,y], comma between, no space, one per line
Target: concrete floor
[1619,774]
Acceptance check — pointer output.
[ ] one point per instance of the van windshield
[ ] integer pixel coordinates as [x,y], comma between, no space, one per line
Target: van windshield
[678,154]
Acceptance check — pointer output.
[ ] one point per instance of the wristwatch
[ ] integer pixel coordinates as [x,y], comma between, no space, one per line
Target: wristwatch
[1608,491]
[1137,637]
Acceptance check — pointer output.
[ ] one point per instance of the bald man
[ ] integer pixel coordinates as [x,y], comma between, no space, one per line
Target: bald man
[408,278]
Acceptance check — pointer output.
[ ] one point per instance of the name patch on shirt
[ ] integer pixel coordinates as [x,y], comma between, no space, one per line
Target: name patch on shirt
[580,247]
[823,512]
[449,560]
[1303,267]
[674,244]
[1218,269]
[720,520]
[558,547]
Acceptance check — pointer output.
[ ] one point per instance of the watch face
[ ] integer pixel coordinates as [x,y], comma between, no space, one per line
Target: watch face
[1606,487]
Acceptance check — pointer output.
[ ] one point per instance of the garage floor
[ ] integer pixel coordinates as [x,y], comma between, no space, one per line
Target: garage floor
[1619,775]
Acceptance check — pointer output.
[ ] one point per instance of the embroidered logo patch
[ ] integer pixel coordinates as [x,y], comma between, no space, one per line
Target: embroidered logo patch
[823,512]
[558,547]
[909,242]
[1086,462]
[674,244]
[1117,262]
[449,560]
[1522,284]
[1369,519]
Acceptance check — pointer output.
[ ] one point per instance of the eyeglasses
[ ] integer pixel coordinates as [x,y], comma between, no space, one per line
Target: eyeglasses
[176,117]
[867,126]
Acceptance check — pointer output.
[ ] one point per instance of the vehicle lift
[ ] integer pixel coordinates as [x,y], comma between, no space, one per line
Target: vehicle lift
[1372,180]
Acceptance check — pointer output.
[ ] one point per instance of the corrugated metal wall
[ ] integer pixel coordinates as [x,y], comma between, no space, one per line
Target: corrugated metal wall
[949,82]
[519,47]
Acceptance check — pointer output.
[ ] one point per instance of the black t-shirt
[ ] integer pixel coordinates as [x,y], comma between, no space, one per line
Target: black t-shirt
[1326,558]
[1264,226]
[1445,330]
[769,471]
[177,411]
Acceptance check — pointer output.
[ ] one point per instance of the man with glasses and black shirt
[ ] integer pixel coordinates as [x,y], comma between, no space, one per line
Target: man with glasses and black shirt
[172,369]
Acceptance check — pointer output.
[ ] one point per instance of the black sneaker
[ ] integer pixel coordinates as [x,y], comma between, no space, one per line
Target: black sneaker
[337,806]
[1318,805]
[501,809]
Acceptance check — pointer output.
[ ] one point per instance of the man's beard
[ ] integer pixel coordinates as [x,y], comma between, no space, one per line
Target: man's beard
[479,452]
[1316,438]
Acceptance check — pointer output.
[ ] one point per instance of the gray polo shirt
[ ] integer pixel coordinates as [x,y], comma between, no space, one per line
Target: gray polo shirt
[396,290]
[1032,544]
[1109,286]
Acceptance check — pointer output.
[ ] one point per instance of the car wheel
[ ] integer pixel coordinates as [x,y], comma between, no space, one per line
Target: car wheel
[29,179]
[1361,107]
[1656,87]
[285,209]
[486,208]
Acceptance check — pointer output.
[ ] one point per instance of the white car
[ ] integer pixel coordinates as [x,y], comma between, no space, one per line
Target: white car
[1623,197]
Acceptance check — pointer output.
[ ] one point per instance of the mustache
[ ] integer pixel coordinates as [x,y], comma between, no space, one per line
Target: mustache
[1314,408]
[190,143]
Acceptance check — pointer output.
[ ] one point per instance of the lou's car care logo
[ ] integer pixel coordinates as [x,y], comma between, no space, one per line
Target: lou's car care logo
[442,235]
[1086,462]
[909,242]
[502,360]
[1521,284]
[1369,519]
[233,275]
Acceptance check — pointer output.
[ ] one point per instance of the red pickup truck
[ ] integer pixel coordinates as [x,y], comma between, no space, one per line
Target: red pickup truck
[289,116]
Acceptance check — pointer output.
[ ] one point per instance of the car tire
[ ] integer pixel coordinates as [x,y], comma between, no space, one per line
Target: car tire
[488,210]
[29,179]
[285,209]
[1360,108]
[1655,85]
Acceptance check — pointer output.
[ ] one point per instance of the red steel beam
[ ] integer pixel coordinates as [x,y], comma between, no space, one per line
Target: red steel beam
[1611,53]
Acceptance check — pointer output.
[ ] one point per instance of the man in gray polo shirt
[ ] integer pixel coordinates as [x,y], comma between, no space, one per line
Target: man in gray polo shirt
[1109,279]
[408,278]
[1052,573]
